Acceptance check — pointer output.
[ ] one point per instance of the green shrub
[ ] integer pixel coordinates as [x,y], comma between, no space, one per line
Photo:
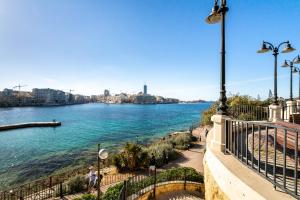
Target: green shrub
[174,174]
[161,149]
[132,158]
[206,115]
[77,184]
[234,100]
[87,197]
[182,140]
[182,173]
[113,192]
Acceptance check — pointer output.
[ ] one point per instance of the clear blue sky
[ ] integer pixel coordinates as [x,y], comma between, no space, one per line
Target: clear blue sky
[91,45]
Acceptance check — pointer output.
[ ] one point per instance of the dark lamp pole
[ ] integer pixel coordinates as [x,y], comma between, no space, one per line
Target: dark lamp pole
[297,70]
[290,63]
[266,47]
[218,14]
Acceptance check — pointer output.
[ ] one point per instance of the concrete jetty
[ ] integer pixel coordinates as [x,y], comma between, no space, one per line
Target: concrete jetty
[29,125]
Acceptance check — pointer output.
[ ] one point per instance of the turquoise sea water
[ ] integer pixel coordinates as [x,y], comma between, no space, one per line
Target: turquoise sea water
[26,154]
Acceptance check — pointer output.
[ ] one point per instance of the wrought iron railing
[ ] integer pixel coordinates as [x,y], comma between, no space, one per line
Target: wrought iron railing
[136,186]
[270,150]
[249,112]
[55,186]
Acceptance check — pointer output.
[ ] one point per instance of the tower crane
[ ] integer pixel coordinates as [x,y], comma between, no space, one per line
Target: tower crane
[19,87]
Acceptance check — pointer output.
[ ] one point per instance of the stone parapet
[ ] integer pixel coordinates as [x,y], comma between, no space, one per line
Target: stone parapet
[275,113]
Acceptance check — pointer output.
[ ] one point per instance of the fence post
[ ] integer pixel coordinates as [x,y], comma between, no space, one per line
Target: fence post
[61,190]
[21,195]
[184,178]
[50,182]
[125,190]
[154,190]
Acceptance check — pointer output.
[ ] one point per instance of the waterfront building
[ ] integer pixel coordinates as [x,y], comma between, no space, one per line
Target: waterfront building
[48,96]
[9,97]
[145,99]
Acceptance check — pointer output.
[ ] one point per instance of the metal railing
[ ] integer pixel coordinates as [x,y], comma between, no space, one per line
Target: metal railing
[136,186]
[249,112]
[56,186]
[270,150]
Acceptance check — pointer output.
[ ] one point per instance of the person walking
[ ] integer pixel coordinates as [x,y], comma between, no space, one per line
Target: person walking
[152,166]
[206,132]
[92,178]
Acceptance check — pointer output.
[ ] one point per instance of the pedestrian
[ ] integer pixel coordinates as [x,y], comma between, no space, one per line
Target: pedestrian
[152,164]
[92,178]
[167,158]
[206,132]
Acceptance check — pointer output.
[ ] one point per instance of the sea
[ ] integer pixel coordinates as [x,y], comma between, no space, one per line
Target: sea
[31,153]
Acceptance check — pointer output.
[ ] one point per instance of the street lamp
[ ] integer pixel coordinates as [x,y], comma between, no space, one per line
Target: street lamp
[102,155]
[290,63]
[297,70]
[218,14]
[266,46]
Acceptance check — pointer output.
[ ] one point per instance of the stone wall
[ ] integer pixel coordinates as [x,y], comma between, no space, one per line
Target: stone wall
[171,187]
[212,189]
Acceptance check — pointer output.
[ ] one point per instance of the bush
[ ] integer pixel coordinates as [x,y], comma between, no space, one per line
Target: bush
[113,192]
[87,197]
[181,174]
[182,140]
[178,174]
[132,158]
[206,115]
[160,150]
[77,184]
[234,100]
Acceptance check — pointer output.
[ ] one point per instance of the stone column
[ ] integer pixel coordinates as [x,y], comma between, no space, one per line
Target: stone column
[217,137]
[298,105]
[275,113]
[290,109]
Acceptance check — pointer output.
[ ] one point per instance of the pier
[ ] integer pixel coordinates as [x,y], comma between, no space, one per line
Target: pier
[29,125]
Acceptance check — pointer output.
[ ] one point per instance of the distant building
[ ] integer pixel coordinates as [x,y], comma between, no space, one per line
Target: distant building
[9,97]
[145,89]
[106,93]
[48,96]
[145,99]
[7,92]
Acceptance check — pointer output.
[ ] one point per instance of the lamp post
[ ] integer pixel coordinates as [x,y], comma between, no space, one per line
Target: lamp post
[102,155]
[218,14]
[267,46]
[297,70]
[290,63]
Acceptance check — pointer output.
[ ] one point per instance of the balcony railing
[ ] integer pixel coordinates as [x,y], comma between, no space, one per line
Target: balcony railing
[270,150]
[249,112]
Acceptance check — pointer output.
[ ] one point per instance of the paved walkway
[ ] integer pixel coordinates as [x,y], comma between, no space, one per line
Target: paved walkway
[193,157]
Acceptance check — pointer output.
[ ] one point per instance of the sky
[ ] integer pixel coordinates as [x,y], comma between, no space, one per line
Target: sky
[92,45]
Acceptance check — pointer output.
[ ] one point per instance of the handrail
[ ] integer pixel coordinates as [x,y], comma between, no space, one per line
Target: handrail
[270,150]
[137,185]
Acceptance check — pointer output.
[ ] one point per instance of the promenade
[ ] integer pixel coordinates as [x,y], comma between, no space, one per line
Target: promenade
[193,157]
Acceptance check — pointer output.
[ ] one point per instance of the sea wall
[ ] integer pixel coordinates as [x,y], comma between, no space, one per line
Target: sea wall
[29,125]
